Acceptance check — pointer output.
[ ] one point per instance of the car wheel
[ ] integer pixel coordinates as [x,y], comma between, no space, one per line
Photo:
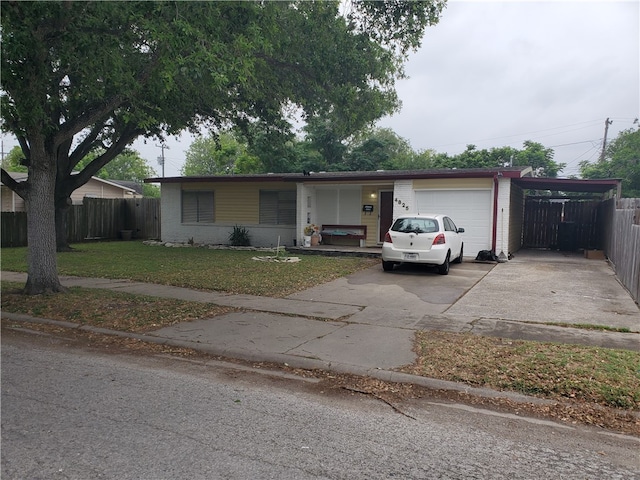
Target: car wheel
[444,268]
[459,259]
[387,266]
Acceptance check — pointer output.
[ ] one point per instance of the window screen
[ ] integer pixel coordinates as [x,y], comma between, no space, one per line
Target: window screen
[278,207]
[197,207]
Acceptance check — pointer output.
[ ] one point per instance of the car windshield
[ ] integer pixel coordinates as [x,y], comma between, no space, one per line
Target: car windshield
[415,225]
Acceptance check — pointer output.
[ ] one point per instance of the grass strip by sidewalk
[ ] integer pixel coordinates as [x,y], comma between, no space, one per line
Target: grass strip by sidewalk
[607,377]
[107,309]
[603,376]
[223,270]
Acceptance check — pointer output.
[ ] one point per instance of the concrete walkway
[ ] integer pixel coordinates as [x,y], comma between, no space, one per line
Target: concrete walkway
[365,323]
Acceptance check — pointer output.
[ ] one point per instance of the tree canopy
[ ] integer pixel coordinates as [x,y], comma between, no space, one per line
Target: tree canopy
[77,76]
[14,161]
[219,155]
[621,160]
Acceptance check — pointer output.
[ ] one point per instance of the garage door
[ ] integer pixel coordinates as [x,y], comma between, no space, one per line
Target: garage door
[469,209]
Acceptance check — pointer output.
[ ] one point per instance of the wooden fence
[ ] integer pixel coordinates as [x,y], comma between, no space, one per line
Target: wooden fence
[96,218]
[568,225]
[621,227]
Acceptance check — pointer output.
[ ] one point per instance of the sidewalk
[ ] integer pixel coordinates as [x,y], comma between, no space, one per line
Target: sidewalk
[365,324]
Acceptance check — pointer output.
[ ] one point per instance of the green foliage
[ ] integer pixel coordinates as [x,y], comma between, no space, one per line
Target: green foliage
[219,155]
[77,76]
[381,148]
[273,145]
[532,155]
[128,165]
[323,135]
[239,237]
[14,161]
[540,158]
[150,190]
[221,270]
[622,160]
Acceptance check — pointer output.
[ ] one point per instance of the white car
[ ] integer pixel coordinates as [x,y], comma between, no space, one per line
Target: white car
[427,239]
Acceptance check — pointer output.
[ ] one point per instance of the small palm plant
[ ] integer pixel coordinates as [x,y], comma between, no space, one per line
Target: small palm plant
[239,237]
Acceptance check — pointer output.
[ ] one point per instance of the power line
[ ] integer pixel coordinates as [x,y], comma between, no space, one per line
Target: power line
[585,124]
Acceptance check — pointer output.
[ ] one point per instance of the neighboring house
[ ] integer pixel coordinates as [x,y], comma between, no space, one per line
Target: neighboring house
[94,188]
[275,208]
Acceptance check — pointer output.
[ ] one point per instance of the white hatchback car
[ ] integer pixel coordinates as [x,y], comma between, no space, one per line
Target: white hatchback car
[427,239]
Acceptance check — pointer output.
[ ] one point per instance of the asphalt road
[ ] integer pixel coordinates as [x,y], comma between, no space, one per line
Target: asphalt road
[71,413]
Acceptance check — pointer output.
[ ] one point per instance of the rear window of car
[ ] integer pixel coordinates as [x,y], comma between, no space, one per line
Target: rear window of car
[415,225]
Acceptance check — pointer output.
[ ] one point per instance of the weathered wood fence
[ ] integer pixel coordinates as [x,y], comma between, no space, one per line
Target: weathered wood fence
[96,218]
[568,225]
[621,227]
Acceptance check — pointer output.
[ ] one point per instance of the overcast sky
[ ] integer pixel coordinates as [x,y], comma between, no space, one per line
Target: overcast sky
[502,72]
[499,73]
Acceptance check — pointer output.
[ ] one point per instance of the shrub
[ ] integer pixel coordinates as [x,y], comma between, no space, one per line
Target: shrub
[239,237]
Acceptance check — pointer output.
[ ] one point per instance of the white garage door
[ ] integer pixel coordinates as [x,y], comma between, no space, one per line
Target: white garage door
[469,209]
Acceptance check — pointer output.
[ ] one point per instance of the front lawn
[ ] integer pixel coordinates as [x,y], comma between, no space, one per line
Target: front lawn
[231,271]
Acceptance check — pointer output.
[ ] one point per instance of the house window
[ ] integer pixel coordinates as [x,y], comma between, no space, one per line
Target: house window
[278,207]
[197,206]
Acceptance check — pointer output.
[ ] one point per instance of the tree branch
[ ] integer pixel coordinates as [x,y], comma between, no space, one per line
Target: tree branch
[129,133]
[19,187]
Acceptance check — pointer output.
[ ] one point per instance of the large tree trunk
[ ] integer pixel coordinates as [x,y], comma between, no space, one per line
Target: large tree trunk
[62,210]
[41,228]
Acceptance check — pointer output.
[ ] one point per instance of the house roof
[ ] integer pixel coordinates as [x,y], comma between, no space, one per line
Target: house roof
[520,176]
[511,172]
[131,187]
[127,184]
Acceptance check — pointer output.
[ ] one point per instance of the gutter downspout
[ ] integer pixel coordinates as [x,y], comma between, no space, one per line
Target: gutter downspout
[494,231]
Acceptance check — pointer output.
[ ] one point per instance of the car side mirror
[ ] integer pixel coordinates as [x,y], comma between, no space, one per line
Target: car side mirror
[461,230]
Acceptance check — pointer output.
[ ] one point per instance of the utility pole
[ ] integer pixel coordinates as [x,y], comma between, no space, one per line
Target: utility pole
[607,122]
[161,159]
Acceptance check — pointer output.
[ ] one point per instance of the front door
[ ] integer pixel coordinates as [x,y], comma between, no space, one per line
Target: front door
[386,214]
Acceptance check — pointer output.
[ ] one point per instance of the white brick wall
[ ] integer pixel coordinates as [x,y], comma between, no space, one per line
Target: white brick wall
[403,198]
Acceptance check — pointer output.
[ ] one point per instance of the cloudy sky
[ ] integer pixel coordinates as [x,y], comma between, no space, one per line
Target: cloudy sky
[499,73]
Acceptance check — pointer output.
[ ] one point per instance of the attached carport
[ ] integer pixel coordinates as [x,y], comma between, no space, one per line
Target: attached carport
[558,222]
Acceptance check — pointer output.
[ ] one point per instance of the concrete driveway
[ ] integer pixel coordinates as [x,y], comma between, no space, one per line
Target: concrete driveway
[551,287]
[401,298]
[535,287]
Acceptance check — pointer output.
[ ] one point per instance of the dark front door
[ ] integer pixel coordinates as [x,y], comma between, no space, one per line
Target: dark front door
[386,213]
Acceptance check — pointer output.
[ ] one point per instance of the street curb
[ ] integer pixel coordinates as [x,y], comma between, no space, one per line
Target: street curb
[295,361]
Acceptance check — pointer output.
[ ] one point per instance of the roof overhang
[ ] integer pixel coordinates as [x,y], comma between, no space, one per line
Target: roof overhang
[569,184]
[379,175]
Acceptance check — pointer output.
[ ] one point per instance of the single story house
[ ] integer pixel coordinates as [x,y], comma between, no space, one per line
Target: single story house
[94,188]
[355,207]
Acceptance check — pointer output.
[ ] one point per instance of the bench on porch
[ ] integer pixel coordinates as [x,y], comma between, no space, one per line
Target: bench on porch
[344,234]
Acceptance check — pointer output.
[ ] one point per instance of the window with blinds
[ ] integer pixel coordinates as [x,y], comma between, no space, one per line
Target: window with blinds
[278,207]
[197,206]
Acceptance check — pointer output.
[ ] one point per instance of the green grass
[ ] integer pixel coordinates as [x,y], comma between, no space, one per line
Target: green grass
[604,376]
[107,309]
[231,271]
